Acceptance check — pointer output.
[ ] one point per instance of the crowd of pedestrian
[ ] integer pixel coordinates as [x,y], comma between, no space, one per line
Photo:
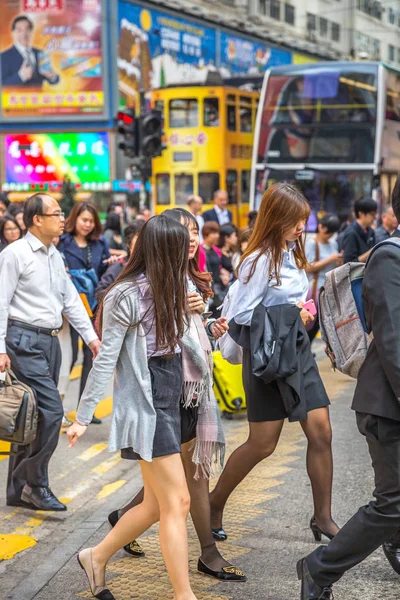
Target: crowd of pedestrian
[139,295]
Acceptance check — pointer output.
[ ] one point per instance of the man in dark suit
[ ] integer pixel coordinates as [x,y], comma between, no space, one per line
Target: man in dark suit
[377,405]
[20,64]
[219,213]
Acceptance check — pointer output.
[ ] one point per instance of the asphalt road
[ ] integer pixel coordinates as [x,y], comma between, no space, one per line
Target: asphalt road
[266,519]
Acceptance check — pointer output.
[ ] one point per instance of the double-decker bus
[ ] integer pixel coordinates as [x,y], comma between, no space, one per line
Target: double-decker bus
[333,129]
[209,132]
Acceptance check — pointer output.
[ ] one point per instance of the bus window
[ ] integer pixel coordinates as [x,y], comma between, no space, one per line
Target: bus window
[245,191]
[208,184]
[393,97]
[231,186]
[162,189]
[183,113]
[211,112]
[245,115]
[183,187]
[231,112]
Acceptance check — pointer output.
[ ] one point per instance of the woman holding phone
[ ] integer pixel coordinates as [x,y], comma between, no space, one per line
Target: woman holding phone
[271,273]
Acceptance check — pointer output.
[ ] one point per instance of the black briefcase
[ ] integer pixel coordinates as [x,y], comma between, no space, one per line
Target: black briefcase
[18,411]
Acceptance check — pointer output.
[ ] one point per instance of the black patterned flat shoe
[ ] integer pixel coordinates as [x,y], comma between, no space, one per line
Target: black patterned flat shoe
[219,534]
[133,548]
[230,573]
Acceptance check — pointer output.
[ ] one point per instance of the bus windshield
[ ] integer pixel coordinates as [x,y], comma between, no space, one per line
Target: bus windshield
[319,114]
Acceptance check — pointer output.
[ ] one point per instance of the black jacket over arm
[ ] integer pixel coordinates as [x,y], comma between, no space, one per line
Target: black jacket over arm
[378,386]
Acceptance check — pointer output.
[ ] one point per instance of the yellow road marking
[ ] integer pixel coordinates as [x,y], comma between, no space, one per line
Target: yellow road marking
[4,447]
[110,488]
[104,409]
[92,452]
[107,464]
[13,543]
[75,373]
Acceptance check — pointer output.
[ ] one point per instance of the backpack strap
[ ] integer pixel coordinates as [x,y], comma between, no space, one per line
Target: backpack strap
[392,241]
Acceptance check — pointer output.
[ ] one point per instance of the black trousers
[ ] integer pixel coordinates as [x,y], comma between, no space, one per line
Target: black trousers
[375,523]
[87,362]
[36,361]
[312,332]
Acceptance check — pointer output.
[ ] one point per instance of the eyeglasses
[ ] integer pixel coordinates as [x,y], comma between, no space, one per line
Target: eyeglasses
[59,215]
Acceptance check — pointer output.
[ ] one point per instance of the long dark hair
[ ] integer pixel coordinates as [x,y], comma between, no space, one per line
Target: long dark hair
[202,281]
[161,254]
[3,221]
[282,207]
[114,223]
[78,209]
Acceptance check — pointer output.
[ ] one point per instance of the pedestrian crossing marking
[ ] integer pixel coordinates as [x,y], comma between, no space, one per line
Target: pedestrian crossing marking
[110,488]
[107,464]
[92,452]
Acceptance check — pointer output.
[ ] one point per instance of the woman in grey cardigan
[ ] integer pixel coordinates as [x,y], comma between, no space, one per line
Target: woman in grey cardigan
[142,321]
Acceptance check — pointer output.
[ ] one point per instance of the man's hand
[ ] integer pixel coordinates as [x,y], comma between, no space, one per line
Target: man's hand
[26,71]
[95,347]
[219,328]
[74,433]
[5,362]
[196,302]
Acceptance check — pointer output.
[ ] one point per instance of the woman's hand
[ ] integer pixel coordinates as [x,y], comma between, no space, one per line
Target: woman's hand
[112,260]
[196,303]
[74,433]
[219,328]
[305,316]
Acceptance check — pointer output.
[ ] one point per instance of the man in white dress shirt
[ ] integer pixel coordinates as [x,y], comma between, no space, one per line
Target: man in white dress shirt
[35,292]
[219,213]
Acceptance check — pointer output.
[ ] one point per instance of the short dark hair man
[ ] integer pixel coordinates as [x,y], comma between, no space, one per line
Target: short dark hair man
[359,237]
[377,405]
[220,212]
[20,64]
[35,293]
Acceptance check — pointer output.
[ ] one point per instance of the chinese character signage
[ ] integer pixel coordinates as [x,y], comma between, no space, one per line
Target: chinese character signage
[156,49]
[47,158]
[240,56]
[51,58]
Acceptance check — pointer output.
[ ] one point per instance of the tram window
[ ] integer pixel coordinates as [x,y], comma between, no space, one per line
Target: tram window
[231,117]
[231,186]
[163,189]
[211,112]
[245,115]
[183,113]
[208,184]
[159,105]
[183,187]
[245,192]
[393,97]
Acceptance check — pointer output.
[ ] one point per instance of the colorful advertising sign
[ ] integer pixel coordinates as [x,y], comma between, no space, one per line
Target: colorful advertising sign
[51,58]
[156,49]
[47,158]
[240,56]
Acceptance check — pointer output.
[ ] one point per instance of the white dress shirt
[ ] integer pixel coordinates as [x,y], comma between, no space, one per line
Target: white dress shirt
[261,289]
[222,215]
[26,53]
[35,289]
[200,223]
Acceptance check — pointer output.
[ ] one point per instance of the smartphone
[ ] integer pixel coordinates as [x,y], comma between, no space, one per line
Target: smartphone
[310,307]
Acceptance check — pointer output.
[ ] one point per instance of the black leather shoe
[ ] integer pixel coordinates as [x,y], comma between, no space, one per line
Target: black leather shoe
[219,534]
[42,498]
[309,589]
[392,553]
[133,548]
[230,573]
[95,421]
[318,532]
[20,503]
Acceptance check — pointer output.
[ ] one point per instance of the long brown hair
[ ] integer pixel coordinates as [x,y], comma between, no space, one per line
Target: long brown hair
[161,254]
[202,281]
[77,210]
[282,207]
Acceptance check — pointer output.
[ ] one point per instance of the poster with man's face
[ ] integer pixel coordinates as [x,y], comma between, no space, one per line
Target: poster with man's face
[51,58]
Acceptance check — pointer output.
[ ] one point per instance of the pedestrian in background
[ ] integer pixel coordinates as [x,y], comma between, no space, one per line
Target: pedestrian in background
[243,242]
[271,274]
[86,256]
[227,243]
[376,402]
[389,225]
[35,293]
[195,206]
[113,235]
[4,204]
[10,231]
[359,237]
[322,253]
[220,212]
[16,210]
[143,320]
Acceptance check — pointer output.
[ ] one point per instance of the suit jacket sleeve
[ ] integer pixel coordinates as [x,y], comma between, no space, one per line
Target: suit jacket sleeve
[381,293]
[10,68]
[209,215]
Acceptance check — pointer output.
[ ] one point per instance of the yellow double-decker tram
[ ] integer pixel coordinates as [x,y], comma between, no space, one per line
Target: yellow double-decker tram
[209,133]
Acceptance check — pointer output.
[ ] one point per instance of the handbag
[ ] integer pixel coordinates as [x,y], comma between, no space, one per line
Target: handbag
[313,289]
[18,411]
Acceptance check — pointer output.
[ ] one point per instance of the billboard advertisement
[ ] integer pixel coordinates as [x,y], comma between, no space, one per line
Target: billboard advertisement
[156,49]
[49,157]
[240,56]
[51,59]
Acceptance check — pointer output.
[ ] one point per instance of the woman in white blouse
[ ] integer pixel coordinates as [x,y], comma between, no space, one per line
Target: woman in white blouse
[272,272]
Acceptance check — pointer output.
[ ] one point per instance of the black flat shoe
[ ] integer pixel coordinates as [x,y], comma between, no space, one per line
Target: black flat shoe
[133,548]
[392,553]
[95,421]
[230,573]
[318,532]
[219,534]
[309,589]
